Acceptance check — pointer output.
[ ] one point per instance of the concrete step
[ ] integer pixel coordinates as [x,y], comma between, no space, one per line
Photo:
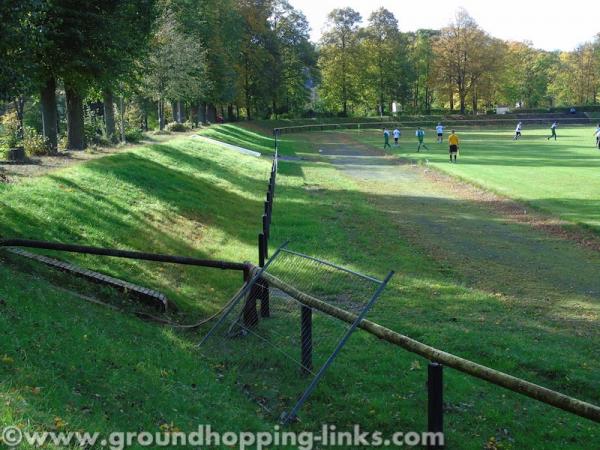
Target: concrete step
[147,296]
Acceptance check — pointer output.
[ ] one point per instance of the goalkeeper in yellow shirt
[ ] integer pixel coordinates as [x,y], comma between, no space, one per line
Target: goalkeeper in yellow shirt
[453,142]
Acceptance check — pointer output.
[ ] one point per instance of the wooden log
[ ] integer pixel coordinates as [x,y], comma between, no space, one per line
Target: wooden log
[545,395]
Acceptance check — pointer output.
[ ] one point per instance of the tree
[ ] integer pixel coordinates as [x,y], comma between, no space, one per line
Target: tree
[422,59]
[175,68]
[338,60]
[460,55]
[20,38]
[294,67]
[257,56]
[384,54]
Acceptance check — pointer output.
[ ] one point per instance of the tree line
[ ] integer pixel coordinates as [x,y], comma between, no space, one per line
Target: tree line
[192,60]
[102,68]
[459,68]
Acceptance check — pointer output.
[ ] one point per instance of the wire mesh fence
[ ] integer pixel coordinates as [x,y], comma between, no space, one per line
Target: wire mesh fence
[274,345]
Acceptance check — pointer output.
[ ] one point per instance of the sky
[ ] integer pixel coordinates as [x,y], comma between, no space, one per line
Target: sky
[548,24]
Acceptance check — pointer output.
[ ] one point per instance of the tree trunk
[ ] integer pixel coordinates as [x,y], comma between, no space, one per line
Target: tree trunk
[19,103]
[109,114]
[180,112]
[194,114]
[49,114]
[451,100]
[161,114]
[212,113]
[122,117]
[463,102]
[75,123]
[202,113]
[230,116]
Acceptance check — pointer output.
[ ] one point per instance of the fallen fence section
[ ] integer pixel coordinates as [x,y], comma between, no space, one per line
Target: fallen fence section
[147,296]
[281,349]
[548,396]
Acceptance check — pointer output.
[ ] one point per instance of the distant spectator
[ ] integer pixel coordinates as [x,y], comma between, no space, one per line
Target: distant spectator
[573,110]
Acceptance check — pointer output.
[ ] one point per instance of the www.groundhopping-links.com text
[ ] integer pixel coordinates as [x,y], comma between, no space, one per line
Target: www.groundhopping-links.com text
[205,436]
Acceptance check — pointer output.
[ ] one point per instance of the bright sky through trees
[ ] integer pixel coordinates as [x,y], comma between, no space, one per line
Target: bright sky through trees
[548,25]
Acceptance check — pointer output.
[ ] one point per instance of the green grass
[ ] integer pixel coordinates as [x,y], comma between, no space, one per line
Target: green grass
[258,136]
[101,370]
[560,177]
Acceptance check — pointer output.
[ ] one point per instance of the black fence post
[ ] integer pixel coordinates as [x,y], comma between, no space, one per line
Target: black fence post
[265,309]
[435,405]
[270,202]
[265,224]
[306,339]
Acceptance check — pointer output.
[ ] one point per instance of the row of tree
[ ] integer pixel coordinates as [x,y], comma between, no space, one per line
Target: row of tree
[460,67]
[198,59]
[202,58]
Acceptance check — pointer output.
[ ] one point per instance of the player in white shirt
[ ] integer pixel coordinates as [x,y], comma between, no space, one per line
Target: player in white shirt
[397,134]
[440,133]
[597,134]
[553,131]
[518,131]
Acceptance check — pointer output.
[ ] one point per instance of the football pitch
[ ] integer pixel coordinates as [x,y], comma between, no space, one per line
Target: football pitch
[560,177]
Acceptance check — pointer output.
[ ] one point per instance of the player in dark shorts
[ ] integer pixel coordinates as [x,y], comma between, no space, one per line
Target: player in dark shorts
[386,139]
[453,141]
[553,131]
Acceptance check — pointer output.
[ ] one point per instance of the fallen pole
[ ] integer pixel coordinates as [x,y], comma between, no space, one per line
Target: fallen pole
[185,260]
[544,395]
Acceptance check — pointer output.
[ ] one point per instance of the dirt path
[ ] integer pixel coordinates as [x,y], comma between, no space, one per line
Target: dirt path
[485,241]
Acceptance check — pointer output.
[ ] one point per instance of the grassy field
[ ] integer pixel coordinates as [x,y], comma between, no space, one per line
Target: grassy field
[560,177]
[72,365]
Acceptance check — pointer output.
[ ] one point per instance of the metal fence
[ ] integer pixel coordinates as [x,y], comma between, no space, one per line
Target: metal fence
[280,358]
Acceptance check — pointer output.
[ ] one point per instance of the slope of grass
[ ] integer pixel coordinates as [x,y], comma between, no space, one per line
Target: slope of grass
[67,364]
[558,177]
[180,198]
[258,136]
[99,370]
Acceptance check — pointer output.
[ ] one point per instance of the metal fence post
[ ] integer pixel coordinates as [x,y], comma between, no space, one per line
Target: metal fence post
[265,310]
[270,202]
[435,404]
[265,224]
[306,339]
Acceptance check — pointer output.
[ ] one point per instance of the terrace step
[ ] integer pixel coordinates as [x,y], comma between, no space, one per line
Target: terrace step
[147,296]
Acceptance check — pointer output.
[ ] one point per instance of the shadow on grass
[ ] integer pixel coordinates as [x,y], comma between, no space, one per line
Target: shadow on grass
[97,370]
[239,136]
